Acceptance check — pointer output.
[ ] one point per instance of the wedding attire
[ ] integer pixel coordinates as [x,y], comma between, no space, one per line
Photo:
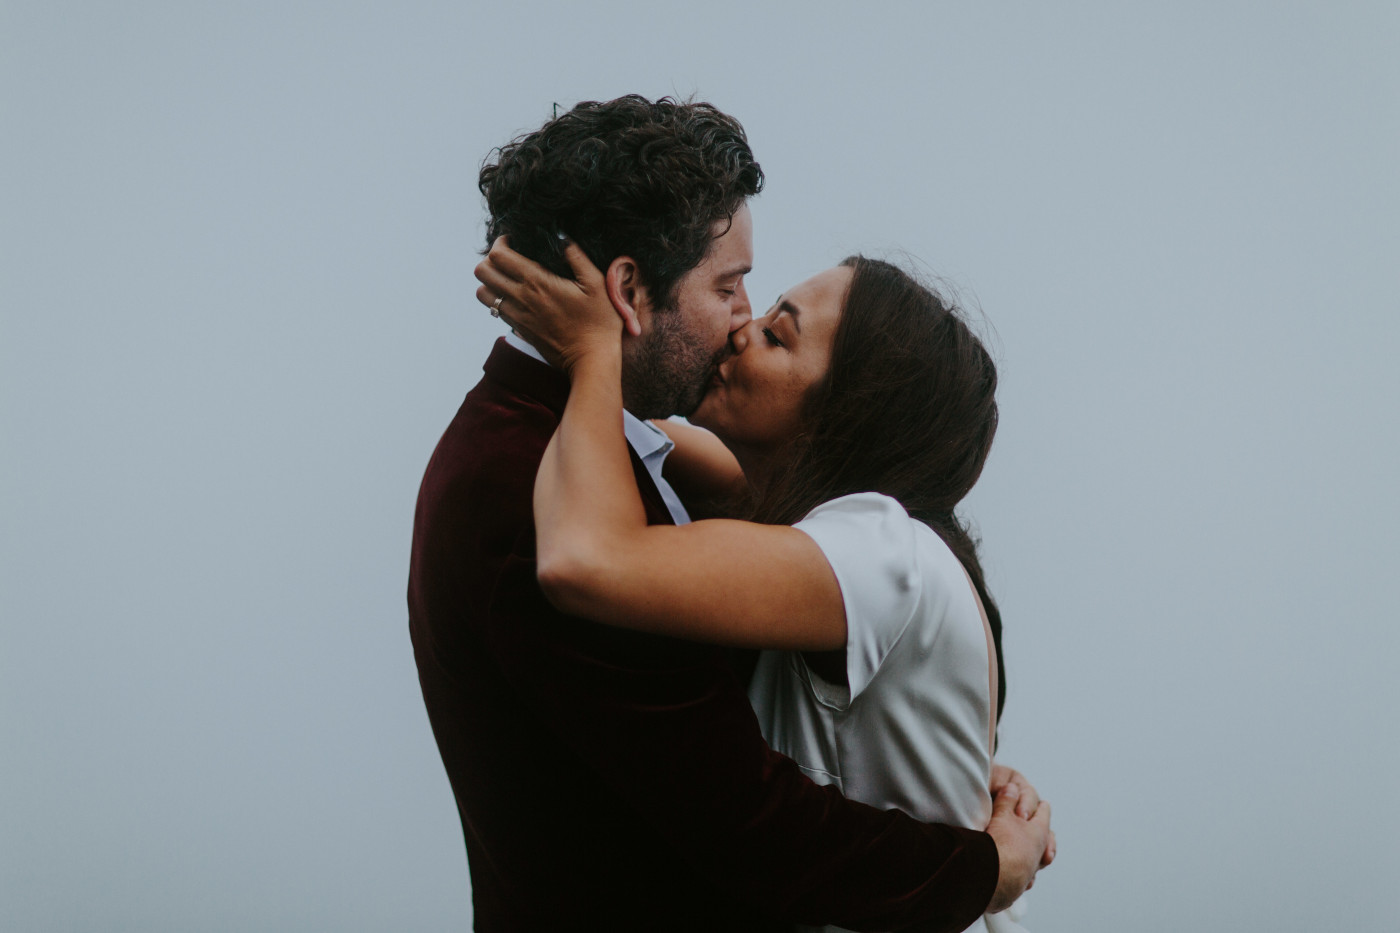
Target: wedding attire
[611,779]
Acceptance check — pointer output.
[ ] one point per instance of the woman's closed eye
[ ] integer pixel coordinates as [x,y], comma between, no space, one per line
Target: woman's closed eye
[771,337]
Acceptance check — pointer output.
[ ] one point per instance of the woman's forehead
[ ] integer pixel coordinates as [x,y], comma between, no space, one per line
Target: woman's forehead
[817,301]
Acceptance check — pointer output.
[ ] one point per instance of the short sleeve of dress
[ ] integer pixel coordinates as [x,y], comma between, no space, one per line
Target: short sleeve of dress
[869,541]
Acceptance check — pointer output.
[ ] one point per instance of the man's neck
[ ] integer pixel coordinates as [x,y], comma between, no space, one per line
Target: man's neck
[524,346]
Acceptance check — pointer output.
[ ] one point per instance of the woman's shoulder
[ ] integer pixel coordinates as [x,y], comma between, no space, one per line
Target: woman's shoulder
[872,546]
[882,529]
[864,526]
[872,514]
[868,507]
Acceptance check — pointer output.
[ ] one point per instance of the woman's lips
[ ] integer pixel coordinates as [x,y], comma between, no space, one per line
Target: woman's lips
[716,382]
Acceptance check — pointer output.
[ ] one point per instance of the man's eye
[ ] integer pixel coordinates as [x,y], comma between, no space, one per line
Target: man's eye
[772,337]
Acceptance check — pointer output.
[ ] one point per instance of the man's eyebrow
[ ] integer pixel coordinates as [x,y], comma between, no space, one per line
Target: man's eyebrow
[736,272]
[793,311]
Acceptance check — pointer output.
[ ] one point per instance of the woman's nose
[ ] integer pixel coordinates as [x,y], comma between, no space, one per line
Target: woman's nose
[739,338]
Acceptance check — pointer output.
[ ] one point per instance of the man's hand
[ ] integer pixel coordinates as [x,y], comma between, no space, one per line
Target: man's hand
[1023,845]
[1002,777]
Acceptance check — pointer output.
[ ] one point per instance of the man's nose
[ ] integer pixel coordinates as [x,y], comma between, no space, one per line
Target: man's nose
[743,311]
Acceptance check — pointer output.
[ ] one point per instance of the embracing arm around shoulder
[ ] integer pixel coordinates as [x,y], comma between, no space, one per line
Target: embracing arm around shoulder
[721,581]
[702,470]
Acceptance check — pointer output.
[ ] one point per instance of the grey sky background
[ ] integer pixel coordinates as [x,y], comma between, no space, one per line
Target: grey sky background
[236,312]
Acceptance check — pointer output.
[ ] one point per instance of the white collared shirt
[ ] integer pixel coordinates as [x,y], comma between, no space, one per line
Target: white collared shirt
[648,441]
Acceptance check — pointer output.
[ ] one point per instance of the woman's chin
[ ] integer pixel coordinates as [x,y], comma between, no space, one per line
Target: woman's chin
[703,415]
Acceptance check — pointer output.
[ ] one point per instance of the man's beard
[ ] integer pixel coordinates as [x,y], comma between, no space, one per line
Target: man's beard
[668,372]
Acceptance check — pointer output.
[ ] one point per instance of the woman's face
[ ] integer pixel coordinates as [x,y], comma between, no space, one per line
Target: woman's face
[755,401]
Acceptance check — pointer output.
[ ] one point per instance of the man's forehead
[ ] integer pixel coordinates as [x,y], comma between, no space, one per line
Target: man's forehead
[731,250]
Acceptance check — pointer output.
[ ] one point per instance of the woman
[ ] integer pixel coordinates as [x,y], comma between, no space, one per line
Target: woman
[855,414]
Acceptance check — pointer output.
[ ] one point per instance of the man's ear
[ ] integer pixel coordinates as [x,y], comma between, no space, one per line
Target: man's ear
[627,293]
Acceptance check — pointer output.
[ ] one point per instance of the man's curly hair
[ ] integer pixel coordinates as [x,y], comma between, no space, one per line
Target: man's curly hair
[625,177]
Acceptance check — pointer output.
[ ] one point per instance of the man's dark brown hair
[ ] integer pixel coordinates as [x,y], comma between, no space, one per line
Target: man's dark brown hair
[625,177]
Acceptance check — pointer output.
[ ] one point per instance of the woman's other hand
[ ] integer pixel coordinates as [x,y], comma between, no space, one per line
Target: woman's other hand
[565,319]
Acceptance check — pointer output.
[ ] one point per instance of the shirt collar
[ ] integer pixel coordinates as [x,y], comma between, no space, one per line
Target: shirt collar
[644,437]
[515,340]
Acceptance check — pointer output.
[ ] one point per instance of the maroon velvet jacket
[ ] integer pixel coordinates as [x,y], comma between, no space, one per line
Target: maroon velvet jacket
[612,780]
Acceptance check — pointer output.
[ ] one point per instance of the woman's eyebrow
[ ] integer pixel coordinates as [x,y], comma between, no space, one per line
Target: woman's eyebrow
[793,312]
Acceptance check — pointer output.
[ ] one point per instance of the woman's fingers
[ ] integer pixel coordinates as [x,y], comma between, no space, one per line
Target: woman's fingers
[489,297]
[591,282]
[532,287]
[496,282]
[553,313]
[510,263]
[585,273]
[515,315]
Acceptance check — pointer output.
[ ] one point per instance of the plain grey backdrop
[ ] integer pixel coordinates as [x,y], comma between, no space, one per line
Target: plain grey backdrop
[236,312]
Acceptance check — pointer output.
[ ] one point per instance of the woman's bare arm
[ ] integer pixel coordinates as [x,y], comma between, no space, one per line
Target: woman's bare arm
[720,581]
[703,471]
[723,581]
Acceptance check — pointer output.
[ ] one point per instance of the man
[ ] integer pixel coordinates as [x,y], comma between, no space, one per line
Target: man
[608,779]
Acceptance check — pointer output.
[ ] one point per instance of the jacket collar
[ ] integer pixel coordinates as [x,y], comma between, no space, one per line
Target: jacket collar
[526,376]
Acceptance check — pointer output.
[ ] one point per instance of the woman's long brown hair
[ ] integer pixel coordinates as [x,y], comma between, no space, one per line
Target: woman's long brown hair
[907,409]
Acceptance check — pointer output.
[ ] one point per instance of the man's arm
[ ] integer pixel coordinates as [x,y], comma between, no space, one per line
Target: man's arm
[672,733]
[1023,846]
[667,728]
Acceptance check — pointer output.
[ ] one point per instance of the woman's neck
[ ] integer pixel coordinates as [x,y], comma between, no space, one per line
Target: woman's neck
[759,466]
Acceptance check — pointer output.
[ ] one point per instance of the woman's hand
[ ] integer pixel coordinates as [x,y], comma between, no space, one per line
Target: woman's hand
[566,320]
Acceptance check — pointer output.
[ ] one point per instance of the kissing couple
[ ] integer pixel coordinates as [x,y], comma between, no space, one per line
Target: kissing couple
[741,674]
